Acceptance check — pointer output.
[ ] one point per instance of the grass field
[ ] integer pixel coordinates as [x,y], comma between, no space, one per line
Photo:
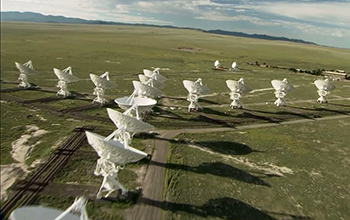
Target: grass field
[288,172]
[315,189]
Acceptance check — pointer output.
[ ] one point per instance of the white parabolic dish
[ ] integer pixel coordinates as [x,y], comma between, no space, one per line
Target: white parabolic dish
[157,76]
[102,82]
[144,79]
[117,152]
[39,213]
[143,104]
[323,84]
[234,64]
[65,76]
[235,85]
[278,84]
[217,63]
[196,88]
[146,90]
[25,69]
[129,123]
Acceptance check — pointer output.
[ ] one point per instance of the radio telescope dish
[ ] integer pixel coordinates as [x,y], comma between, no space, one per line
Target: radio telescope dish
[195,89]
[127,123]
[217,64]
[324,87]
[114,150]
[155,75]
[145,90]
[282,85]
[113,156]
[281,90]
[238,88]
[234,67]
[25,70]
[135,106]
[64,76]
[102,83]
[234,64]
[150,81]
[44,213]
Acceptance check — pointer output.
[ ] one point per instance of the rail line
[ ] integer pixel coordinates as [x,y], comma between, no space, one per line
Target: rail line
[30,189]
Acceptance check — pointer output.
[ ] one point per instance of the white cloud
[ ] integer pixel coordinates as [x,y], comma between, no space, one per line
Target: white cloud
[86,9]
[336,13]
[284,18]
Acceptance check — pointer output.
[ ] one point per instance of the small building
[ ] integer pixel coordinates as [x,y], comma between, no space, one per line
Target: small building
[337,73]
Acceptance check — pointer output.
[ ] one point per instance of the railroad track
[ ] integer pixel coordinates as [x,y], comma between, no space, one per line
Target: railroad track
[29,189]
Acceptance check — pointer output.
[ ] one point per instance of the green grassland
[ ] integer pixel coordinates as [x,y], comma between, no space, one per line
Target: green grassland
[124,51]
[225,177]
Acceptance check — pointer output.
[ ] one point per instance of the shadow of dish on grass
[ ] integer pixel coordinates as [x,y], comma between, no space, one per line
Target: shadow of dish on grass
[225,208]
[222,147]
[226,147]
[218,169]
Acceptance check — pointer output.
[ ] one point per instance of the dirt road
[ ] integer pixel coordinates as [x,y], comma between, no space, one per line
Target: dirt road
[153,183]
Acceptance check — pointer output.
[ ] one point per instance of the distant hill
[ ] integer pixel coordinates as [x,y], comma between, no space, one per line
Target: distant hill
[37,17]
[257,36]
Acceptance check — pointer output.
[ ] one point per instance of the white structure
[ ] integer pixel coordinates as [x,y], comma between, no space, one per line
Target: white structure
[281,89]
[238,88]
[324,87]
[195,90]
[155,75]
[140,101]
[217,64]
[127,126]
[143,90]
[43,213]
[114,150]
[64,77]
[234,67]
[25,70]
[102,83]
[135,106]
[150,81]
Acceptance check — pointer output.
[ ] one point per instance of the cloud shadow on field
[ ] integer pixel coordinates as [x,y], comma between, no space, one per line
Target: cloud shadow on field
[217,169]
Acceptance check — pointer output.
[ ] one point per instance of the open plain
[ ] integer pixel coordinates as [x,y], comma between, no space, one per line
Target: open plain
[259,162]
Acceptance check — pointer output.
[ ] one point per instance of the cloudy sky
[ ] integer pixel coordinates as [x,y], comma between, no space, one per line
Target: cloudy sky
[320,21]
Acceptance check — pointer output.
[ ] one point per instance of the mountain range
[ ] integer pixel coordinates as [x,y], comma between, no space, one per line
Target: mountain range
[37,17]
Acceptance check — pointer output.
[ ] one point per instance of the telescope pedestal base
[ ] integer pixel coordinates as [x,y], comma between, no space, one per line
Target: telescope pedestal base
[280,102]
[322,99]
[236,104]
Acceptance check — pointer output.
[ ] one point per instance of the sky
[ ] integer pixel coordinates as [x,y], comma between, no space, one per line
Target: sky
[319,21]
